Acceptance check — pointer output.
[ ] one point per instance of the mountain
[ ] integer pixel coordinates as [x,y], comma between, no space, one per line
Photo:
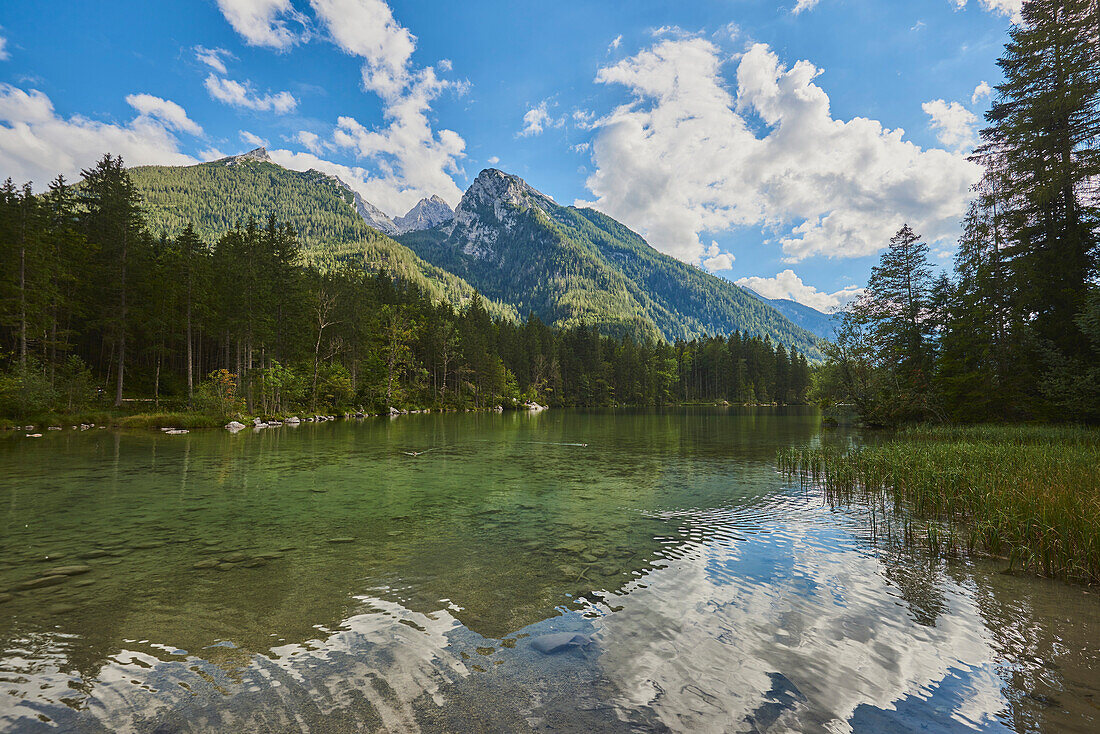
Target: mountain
[426,214]
[817,322]
[331,219]
[372,215]
[515,245]
[574,266]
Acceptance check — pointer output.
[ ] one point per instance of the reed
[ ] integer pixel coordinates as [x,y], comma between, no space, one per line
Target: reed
[1028,493]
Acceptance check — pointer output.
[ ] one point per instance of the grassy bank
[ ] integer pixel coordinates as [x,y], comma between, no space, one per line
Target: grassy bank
[1028,493]
[159,419]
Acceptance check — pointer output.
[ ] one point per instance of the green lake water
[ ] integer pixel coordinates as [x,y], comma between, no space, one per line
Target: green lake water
[560,571]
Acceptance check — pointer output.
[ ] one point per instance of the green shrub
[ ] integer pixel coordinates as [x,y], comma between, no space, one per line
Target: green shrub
[25,390]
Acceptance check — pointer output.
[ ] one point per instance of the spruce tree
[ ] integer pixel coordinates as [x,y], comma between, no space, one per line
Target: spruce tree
[113,224]
[895,301]
[1043,135]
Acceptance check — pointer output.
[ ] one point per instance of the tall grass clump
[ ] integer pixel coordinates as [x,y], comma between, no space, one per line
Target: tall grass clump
[1031,493]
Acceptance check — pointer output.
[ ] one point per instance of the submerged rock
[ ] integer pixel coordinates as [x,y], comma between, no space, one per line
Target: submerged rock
[234,426]
[43,581]
[559,642]
[341,540]
[67,570]
[210,563]
[176,431]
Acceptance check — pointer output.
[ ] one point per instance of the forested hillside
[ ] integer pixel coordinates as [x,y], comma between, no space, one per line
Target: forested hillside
[219,196]
[98,309]
[572,266]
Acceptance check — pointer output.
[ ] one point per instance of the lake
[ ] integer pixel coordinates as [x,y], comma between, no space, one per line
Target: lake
[558,571]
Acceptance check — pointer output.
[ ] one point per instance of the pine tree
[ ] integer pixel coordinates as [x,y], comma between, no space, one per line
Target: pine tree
[1043,135]
[894,304]
[113,223]
[193,259]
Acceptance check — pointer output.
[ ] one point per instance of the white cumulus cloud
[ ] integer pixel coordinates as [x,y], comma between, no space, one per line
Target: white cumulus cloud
[4,55]
[242,94]
[254,140]
[955,125]
[1011,8]
[169,113]
[213,57]
[412,160]
[537,119]
[803,5]
[615,43]
[211,154]
[310,141]
[36,143]
[367,28]
[788,285]
[681,159]
[493,160]
[714,259]
[262,22]
[980,92]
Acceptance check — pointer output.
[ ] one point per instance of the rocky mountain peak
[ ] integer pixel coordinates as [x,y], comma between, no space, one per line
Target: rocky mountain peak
[426,214]
[257,154]
[493,188]
[488,209]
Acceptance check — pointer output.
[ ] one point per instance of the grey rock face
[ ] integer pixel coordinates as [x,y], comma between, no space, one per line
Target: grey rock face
[426,214]
[372,215]
[257,154]
[489,207]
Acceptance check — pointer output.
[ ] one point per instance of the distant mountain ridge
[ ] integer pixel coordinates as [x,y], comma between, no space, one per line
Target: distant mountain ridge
[820,323]
[515,245]
[573,266]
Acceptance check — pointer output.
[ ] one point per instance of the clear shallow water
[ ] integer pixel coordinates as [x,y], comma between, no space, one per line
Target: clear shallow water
[661,577]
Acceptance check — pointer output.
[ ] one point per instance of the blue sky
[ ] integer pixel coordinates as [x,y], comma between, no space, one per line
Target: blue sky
[756,141]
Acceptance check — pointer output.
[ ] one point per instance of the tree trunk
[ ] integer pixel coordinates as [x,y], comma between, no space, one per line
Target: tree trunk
[122,330]
[316,364]
[156,380]
[190,356]
[23,303]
